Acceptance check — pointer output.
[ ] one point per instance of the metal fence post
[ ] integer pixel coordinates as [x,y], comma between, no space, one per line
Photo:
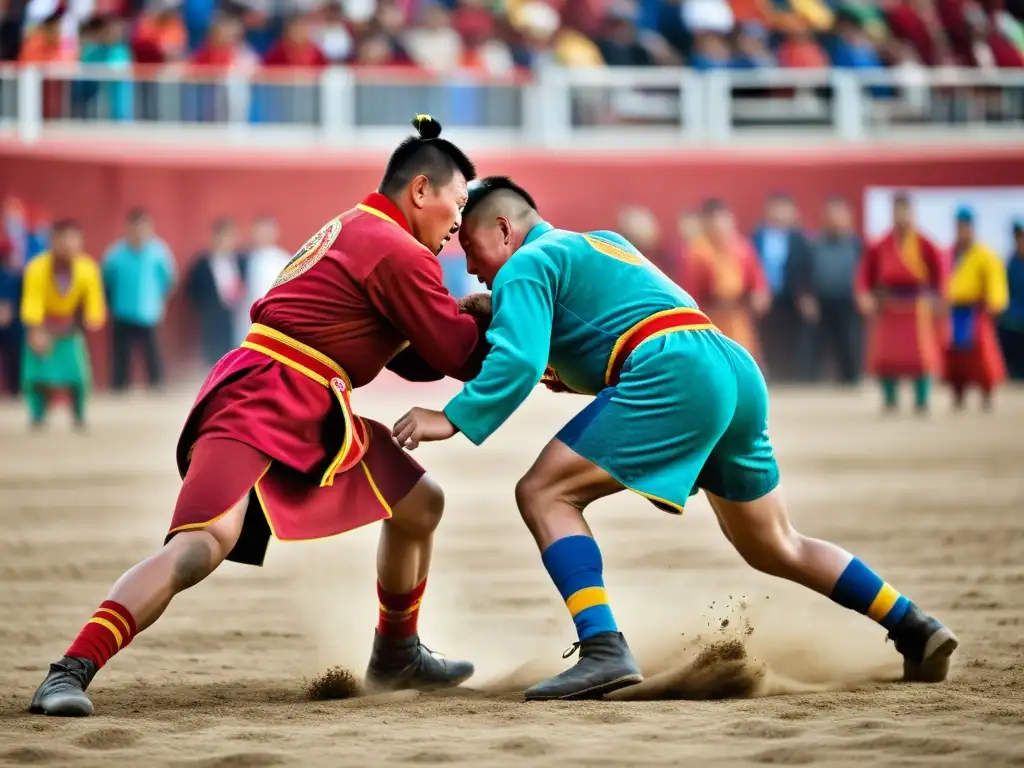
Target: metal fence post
[691,106]
[848,97]
[30,104]
[337,105]
[717,106]
[549,108]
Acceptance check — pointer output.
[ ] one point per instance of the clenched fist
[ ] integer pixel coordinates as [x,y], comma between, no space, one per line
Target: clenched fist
[477,305]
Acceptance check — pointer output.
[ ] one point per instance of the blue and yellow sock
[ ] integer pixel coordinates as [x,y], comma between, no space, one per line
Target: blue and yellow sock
[575,566]
[861,589]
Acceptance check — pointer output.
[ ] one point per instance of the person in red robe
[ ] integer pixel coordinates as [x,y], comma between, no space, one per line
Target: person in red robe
[899,285]
[272,446]
[724,276]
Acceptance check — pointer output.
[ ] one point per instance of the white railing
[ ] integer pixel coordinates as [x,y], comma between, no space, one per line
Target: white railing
[559,109]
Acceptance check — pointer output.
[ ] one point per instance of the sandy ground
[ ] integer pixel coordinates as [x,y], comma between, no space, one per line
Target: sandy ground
[934,505]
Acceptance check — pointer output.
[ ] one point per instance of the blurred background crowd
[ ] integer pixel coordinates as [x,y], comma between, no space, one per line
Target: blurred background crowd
[790,280]
[500,37]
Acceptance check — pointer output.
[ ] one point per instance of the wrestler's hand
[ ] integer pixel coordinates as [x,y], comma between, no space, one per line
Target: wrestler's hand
[422,425]
[476,304]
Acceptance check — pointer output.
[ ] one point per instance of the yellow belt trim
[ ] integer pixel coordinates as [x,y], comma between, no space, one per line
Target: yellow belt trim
[621,341]
[585,598]
[264,330]
[119,617]
[883,602]
[111,627]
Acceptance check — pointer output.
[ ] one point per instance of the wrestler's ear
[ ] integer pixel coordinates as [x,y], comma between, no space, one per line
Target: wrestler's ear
[419,188]
[505,226]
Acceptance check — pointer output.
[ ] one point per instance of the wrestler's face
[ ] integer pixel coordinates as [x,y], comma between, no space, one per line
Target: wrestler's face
[487,243]
[437,210]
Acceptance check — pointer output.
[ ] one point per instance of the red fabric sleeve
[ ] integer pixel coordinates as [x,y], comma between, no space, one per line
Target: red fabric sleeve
[408,290]
[867,271]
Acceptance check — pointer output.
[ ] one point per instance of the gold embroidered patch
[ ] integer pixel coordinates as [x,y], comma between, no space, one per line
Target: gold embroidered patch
[609,248]
[311,252]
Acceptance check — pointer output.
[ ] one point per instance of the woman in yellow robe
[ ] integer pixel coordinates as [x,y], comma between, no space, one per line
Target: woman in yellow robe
[977,294]
[62,295]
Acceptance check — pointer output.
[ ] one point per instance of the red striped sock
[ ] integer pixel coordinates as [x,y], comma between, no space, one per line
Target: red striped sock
[399,614]
[109,630]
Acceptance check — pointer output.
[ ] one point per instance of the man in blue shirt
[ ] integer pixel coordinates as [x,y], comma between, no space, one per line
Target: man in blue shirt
[785,255]
[138,273]
[1011,324]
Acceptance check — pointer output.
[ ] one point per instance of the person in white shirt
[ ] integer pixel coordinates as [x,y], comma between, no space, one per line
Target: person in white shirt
[266,260]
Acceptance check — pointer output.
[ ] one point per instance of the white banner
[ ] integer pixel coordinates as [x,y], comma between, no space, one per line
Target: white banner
[995,209]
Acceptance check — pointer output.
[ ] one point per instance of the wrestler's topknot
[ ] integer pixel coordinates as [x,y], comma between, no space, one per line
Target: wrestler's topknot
[479,190]
[425,153]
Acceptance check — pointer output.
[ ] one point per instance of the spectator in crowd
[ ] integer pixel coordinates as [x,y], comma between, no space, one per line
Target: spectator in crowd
[434,44]
[105,46]
[296,47]
[215,287]
[47,43]
[752,48]
[689,229]
[901,279]
[139,274]
[62,294]
[784,252]
[619,41]
[225,46]
[800,50]
[160,35]
[978,294]
[724,276]
[266,260]
[640,226]
[330,31]
[1011,324]
[853,48]
[826,303]
[11,332]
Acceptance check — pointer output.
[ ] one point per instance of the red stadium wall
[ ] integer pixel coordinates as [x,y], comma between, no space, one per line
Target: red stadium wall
[187,191]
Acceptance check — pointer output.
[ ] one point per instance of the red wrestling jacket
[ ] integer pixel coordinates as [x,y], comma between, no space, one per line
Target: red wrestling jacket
[354,296]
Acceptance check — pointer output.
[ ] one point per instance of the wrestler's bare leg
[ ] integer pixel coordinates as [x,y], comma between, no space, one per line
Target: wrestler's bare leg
[146,589]
[407,538]
[551,498]
[399,660]
[764,537]
[135,602]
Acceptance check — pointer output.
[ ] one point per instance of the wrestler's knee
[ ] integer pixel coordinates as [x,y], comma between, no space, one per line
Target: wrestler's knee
[421,510]
[535,493]
[195,555]
[763,536]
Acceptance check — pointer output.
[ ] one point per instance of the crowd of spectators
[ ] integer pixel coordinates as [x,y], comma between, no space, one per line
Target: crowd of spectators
[500,38]
[794,275]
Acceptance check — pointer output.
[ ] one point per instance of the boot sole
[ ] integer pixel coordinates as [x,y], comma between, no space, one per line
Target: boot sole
[370,688]
[934,668]
[593,692]
[70,706]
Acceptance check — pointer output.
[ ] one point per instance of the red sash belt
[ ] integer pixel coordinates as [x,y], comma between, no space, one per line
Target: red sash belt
[324,371]
[658,324]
